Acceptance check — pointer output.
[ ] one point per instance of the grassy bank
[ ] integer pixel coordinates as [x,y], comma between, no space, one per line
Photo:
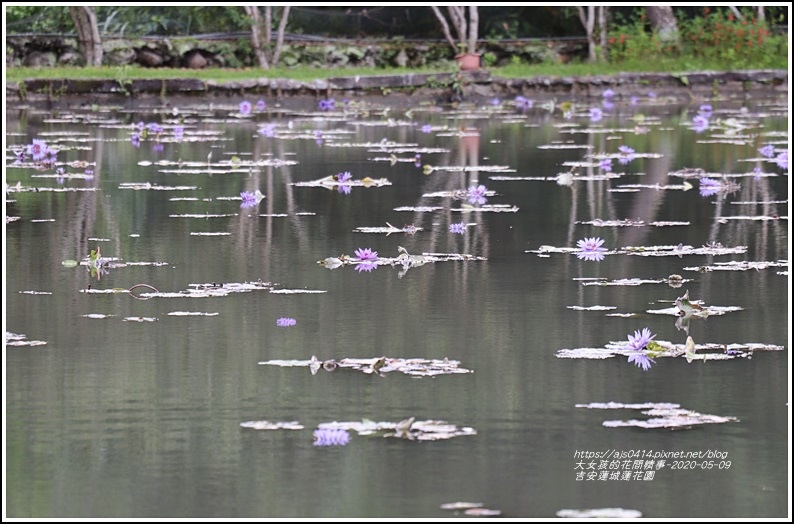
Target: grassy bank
[659,65]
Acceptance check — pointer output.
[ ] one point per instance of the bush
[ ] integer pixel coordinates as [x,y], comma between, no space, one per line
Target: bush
[720,37]
[717,39]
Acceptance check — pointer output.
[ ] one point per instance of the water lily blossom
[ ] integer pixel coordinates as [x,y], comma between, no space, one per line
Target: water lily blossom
[590,249]
[709,186]
[459,228]
[286,322]
[245,108]
[331,437]
[626,154]
[782,160]
[248,198]
[366,254]
[640,339]
[476,194]
[523,103]
[700,123]
[637,343]
[767,151]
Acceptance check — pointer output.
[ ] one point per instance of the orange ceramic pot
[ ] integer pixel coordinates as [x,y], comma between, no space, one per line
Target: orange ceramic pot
[468,61]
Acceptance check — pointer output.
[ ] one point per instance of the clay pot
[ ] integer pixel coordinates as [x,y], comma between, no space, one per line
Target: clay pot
[468,61]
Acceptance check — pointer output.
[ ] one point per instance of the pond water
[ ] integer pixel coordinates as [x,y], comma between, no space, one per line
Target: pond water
[136,405]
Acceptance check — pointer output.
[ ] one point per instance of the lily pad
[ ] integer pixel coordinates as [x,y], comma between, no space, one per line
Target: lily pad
[266,425]
[743,265]
[709,351]
[461,505]
[408,429]
[662,415]
[13,339]
[418,367]
[600,513]
[407,229]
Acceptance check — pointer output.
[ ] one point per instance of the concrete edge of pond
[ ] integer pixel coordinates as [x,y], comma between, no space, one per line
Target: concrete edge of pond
[412,86]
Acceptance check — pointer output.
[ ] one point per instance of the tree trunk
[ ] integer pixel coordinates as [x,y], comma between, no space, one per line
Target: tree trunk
[474,22]
[664,23]
[84,19]
[282,27]
[256,35]
[603,13]
[466,29]
[588,21]
[444,27]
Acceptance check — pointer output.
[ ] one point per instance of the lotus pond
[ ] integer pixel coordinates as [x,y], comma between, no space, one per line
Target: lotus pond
[317,308]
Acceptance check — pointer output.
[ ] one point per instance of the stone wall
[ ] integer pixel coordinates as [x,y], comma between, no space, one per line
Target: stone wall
[235,50]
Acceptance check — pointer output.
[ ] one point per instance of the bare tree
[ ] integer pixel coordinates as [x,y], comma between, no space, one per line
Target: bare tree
[664,23]
[88,38]
[262,35]
[590,18]
[467,30]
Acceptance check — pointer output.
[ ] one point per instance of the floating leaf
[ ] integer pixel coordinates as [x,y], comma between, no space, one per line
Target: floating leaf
[191,314]
[139,319]
[296,291]
[482,512]
[412,366]
[600,513]
[408,429]
[592,308]
[13,339]
[35,292]
[461,505]
[408,229]
[741,265]
[668,349]
[264,424]
[663,415]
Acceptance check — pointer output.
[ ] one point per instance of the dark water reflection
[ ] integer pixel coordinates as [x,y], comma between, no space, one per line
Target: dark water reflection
[113,418]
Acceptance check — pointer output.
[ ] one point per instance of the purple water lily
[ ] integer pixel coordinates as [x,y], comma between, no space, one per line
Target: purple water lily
[627,154]
[331,437]
[782,160]
[523,103]
[366,254]
[459,228]
[245,108]
[638,342]
[767,151]
[268,130]
[700,123]
[476,194]
[596,114]
[590,249]
[327,104]
[260,105]
[640,339]
[286,322]
[248,199]
[709,187]
[38,149]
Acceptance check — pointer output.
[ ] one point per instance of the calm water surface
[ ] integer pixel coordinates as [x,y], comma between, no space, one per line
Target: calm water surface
[117,418]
